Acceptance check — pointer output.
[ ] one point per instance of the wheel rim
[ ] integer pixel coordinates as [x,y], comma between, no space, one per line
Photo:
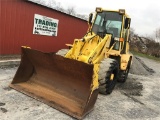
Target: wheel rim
[112,77]
[111,82]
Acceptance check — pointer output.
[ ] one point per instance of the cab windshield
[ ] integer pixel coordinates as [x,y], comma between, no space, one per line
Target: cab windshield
[108,22]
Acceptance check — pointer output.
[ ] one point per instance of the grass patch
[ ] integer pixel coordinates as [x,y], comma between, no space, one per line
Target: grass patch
[146,56]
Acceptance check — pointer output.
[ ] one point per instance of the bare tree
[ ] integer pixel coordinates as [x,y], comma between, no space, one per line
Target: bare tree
[157,34]
[55,5]
[51,3]
[59,7]
[42,2]
[85,17]
[132,32]
[71,10]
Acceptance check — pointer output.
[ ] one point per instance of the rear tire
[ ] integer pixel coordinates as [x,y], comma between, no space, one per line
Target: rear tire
[62,52]
[108,67]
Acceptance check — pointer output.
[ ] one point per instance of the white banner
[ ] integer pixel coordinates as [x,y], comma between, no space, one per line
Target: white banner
[45,25]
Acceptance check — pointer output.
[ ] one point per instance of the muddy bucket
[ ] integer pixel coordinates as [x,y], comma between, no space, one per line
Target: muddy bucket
[59,82]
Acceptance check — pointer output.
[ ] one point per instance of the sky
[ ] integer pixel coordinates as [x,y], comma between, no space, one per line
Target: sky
[145,14]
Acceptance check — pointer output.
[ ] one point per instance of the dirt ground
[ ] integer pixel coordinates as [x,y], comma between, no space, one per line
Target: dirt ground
[138,99]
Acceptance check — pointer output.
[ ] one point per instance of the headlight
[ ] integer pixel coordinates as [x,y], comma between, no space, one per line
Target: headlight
[118,39]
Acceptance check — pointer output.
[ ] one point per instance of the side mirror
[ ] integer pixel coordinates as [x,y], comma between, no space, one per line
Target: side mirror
[90,18]
[127,23]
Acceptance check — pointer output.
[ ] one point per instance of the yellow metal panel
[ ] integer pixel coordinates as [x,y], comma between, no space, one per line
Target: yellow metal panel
[95,82]
[124,61]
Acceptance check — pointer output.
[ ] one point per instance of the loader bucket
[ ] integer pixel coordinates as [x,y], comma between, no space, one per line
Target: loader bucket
[62,83]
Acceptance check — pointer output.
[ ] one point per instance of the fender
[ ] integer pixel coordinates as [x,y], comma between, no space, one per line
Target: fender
[124,61]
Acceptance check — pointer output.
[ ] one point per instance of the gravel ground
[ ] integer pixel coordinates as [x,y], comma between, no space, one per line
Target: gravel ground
[138,98]
[9,57]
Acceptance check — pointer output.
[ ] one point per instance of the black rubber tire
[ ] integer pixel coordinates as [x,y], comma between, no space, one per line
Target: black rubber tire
[107,67]
[123,74]
[62,52]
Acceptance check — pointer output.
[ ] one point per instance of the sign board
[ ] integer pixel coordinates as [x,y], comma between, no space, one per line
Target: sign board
[45,25]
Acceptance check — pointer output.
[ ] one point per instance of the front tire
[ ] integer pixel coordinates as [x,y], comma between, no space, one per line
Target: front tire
[108,74]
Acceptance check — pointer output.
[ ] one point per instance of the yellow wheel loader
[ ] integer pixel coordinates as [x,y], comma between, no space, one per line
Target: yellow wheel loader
[71,79]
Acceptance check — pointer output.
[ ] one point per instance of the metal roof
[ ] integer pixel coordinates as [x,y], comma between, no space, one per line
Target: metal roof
[56,9]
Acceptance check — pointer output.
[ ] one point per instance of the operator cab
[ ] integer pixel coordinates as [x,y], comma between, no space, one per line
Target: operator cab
[110,22]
